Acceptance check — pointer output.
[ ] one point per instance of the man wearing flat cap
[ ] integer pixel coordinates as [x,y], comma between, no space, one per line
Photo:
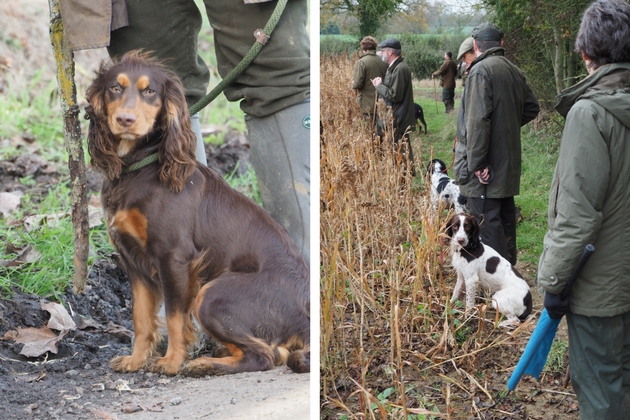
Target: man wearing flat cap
[397,92]
[466,55]
[496,102]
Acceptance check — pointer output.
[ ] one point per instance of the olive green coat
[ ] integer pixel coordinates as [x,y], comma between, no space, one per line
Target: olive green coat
[589,201]
[367,68]
[496,102]
[397,92]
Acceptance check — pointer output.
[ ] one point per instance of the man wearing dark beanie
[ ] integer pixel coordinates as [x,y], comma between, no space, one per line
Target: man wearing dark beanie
[497,102]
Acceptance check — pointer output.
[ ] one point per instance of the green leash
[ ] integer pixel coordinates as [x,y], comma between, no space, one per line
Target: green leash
[142,163]
[262,36]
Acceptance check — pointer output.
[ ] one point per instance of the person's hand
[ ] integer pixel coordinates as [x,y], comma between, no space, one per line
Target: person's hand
[377,81]
[555,305]
[484,176]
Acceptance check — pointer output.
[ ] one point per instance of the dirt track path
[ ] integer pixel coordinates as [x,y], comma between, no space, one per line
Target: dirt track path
[276,394]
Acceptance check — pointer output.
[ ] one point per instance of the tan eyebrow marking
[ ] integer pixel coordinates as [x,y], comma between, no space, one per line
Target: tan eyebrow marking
[123,80]
[143,82]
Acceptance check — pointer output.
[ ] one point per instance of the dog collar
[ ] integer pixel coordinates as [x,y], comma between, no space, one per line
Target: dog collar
[141,163]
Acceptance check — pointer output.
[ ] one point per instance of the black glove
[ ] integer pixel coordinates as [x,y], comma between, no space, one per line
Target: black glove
[555,305]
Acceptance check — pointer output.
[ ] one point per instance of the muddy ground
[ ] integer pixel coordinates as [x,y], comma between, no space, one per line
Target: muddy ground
[77,382]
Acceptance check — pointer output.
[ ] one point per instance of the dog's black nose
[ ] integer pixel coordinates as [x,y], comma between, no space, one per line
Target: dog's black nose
[125,119]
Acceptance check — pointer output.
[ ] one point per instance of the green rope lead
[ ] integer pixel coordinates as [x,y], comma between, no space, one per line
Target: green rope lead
[253,52]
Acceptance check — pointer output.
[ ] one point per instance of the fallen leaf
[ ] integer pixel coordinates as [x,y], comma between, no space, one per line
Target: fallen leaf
[8,203]
[37,220]
[60,319]
[131,408]
[24,255]
[157,408]
[118,330]
[95,200]
[35,377]
[37,341]
[83,323]
[95,216]
[10,335]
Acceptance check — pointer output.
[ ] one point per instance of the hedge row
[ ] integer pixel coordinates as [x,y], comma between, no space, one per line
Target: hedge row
[424,53]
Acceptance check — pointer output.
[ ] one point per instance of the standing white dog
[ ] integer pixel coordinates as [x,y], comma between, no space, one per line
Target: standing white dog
[444,188]
[477,265]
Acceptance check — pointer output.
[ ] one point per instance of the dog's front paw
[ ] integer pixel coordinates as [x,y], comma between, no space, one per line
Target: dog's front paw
[163,365]
[510,322]
[126,363]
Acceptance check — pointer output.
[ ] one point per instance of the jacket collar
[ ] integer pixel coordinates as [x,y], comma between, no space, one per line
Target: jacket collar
[394,63]
[607,77]
[492,52]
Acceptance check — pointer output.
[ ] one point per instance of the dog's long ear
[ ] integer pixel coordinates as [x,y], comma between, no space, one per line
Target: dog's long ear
[101,144]
[177,150]
[449,226]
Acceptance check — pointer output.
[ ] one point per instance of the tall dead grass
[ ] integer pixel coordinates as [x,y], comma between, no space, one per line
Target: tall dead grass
[384,294]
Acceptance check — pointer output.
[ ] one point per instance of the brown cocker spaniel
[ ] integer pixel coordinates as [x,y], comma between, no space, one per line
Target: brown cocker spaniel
[186,238]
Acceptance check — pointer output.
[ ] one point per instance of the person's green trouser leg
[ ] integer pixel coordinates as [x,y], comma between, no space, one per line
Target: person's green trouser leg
[280,155]
[599,360]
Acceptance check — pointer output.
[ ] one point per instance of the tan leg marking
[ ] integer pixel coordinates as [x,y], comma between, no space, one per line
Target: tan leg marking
[145,306]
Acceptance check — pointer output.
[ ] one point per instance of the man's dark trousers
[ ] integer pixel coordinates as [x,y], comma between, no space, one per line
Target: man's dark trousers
[497,224]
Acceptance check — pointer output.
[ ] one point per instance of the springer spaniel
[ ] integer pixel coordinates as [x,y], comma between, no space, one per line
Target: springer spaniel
[477,265]
[444,188]
[186,238]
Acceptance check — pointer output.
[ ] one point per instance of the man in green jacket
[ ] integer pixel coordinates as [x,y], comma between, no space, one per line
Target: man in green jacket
[397,92]
[497,102]
[368,67]
[589,203]
[447,73]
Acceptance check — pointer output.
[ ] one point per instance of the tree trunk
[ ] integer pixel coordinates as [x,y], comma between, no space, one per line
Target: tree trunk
[558,62]
[72,139]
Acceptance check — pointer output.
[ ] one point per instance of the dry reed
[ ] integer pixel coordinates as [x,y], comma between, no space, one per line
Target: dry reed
[384,293]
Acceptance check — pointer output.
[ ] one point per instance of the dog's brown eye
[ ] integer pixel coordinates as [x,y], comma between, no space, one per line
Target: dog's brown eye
[149,92]
[116,89]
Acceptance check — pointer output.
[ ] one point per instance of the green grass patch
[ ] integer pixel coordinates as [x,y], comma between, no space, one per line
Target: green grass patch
[52,272]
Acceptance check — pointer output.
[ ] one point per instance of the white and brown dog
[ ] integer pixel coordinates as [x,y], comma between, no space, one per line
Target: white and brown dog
[477,265]
[443,188]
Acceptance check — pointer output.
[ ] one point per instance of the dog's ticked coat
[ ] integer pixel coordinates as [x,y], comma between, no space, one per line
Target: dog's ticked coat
[478,265]
[186,238]
[443,188]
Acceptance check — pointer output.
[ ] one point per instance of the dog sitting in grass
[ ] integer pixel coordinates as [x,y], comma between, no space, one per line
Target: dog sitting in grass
[478,265]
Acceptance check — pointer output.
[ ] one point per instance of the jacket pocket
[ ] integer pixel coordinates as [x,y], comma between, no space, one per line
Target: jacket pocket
[553,197]
[460,167]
